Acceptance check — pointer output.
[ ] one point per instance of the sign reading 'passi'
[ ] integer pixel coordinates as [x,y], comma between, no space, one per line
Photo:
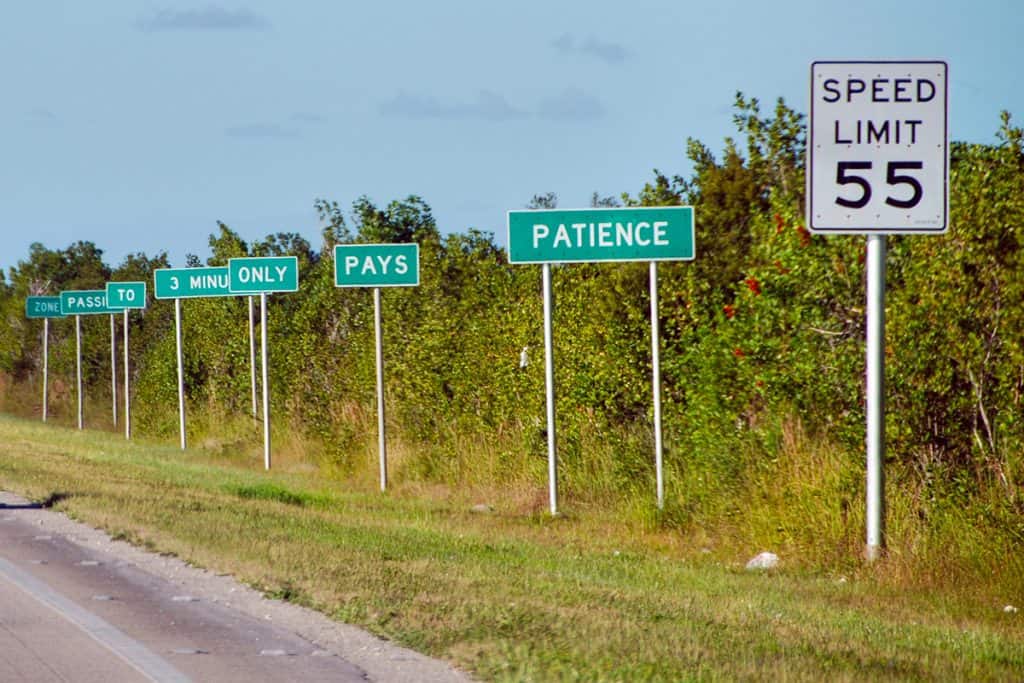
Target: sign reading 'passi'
[878,159]
[85,302]
[592,235]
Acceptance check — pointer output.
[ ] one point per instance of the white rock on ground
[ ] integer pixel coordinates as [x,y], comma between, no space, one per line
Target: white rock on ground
[763,560]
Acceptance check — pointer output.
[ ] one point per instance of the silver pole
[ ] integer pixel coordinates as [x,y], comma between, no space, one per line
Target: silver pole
[875,396]
[549,383]
[46,361]
[113,367]
[127,399]
[78,364]
[656,385]
[181,373]
[252,358]
[266,387]
[381,440]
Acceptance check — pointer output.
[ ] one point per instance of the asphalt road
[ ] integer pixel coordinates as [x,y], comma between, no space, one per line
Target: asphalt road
[77,606]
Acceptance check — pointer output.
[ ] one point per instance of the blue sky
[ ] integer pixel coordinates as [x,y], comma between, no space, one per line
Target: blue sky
[138,125]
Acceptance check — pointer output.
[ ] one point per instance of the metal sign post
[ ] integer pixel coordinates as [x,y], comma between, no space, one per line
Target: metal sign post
[262,275]
[126,296]
[549,389]
[113,368]
[378,265]
[252,359]
[877,164]
[181,372]
[187,283]
[78,365]
[86,302]
[266,383]
[656,385]
[46,362]
[379,348]
[592,236]
[127,395]
[44,307]
[875,390]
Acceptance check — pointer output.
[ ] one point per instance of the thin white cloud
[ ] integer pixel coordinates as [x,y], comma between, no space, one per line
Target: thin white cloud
[488,106]
[607,52]
[209,18]
[307,117]
[572,104]
[257,131]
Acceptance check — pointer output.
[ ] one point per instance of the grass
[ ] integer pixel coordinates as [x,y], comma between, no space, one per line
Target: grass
[514,596]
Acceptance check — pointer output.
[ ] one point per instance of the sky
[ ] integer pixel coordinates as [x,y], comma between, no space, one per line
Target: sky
[138,125]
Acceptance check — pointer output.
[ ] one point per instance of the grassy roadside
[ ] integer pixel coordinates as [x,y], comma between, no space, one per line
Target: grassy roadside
[507,596]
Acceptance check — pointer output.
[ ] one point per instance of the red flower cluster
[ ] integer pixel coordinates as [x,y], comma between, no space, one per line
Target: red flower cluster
[805,235]
[779,224]
[738,352]
[729,311]
[753,285]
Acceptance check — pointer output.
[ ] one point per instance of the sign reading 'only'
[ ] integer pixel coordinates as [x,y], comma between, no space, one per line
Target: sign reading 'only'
[591,235]
[257,274]
[878,159]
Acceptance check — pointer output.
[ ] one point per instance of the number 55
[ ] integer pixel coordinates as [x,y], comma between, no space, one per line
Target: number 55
[892,177]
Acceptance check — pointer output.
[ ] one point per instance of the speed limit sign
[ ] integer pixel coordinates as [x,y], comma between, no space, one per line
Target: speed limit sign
[878,152]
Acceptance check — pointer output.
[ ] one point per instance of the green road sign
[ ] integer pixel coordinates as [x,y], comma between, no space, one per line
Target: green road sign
[376,265]
[43,307]
[188,283]
[85,302]
[591,235]
[126,294]
[257,274]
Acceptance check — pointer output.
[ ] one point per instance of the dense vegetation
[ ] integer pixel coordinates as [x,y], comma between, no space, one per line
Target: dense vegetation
[763,358]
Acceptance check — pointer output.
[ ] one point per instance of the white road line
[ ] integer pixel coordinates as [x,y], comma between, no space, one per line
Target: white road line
[147,662]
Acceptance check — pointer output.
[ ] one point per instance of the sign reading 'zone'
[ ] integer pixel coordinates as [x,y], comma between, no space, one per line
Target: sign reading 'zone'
[43,307]
[590,235]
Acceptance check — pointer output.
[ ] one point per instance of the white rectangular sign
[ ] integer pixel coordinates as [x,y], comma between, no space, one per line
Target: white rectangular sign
[878,152]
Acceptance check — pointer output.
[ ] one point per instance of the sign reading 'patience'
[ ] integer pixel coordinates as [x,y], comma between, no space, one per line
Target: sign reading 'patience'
[592,235]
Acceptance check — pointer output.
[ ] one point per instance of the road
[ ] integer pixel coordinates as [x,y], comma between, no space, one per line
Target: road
[78,606]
